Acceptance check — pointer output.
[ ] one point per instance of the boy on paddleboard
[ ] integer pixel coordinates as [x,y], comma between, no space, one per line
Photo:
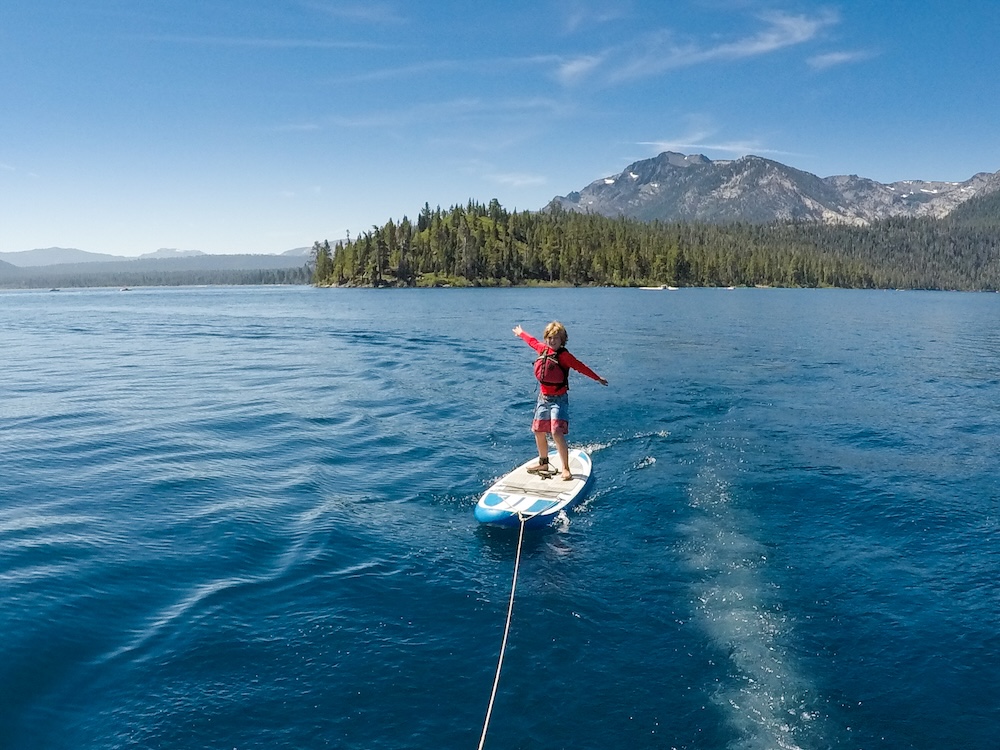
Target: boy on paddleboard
[552,408]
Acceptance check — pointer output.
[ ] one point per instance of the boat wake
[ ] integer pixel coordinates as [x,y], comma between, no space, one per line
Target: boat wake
[764,697]
[596,447]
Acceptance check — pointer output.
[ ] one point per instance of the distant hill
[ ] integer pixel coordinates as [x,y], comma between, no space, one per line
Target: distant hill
[168,252]
[679,187]
[65,256]
[161,271]
[50,256]
[199,262]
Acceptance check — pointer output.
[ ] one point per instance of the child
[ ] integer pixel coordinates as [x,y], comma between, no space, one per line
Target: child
[552,409]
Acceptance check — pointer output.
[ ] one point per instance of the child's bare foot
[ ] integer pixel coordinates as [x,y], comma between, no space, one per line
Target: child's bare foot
[567,475]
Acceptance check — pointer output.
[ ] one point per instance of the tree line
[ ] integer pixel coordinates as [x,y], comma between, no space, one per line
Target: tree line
[486,245]
[36,278]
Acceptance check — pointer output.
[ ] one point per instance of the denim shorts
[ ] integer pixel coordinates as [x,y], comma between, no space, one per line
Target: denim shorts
[551,414]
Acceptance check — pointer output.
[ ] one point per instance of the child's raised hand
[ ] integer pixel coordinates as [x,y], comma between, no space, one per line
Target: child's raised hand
[518,330]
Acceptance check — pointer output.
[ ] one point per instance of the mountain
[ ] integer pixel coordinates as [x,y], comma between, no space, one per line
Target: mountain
[679,187]
[171,267]
[169,252]
[170,271]
[64,256]
[200,262]
[50,256]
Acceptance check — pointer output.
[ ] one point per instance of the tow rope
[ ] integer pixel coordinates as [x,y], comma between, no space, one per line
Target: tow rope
[506,632]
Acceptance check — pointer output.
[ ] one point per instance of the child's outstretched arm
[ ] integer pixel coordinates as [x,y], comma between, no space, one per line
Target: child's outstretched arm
[528,339]
[581,368]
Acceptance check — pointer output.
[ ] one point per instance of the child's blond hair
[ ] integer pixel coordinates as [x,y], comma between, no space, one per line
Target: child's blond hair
[555,328]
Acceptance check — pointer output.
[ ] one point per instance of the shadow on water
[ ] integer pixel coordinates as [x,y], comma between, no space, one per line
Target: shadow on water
[500,544]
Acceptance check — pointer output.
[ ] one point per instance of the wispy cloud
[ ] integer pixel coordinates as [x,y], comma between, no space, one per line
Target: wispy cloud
[301,127]
[571,71]
[702,137]
[371,13]
[734,148]
[832,59]
[4,167]
[516,179]
[489,172]
[491,65]
[584,15]
[290,194]
[662,50]
[451,111]
[785,31]
[260,42]
[403,71]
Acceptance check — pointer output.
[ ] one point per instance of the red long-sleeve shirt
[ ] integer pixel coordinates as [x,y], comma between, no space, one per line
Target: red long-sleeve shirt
[567,360]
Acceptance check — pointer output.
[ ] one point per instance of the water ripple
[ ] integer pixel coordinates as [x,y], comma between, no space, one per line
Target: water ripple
[242,518]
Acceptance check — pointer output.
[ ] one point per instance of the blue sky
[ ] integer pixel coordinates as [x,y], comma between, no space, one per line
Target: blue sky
[253,126]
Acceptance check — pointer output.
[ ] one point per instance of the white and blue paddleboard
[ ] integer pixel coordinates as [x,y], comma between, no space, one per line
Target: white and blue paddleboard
[535,498]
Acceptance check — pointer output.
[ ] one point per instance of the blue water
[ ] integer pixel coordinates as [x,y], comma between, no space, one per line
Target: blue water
[242,518]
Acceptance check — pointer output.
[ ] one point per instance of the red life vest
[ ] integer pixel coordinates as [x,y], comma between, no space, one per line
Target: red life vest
[549,371]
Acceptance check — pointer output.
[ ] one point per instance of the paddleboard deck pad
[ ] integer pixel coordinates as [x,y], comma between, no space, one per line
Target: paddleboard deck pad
[537,498]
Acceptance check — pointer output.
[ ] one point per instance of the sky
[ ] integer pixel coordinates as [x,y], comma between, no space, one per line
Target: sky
[259,126]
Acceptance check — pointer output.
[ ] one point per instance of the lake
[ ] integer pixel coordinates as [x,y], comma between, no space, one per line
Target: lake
[242,518]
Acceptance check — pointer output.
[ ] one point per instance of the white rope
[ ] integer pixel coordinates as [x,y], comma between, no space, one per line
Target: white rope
[506,631]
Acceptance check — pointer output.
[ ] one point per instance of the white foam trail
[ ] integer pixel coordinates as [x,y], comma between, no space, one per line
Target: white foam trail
[764,697]
[595,447]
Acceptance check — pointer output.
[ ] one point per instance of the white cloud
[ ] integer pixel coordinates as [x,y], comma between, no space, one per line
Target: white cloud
[573,70]
[260,42]
[662,50]
[580,15]
[452,111]
[516,180]
[832,59]
[407,71]
[701,137]
[492,66]
[734,148]
[377,13]
[289,193]
[488,171]
[304,127]
[785,31]
[4,167]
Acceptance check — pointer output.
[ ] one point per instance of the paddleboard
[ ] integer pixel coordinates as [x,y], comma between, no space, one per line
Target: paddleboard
[536,498]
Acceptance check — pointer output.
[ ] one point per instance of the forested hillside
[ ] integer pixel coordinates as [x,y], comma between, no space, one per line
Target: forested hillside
[485,245]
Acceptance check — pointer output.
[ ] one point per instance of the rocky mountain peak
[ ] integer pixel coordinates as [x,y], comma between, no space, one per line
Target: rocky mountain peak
[678,187]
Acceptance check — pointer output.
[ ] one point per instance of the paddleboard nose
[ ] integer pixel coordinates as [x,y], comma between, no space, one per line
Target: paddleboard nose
[486,511]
